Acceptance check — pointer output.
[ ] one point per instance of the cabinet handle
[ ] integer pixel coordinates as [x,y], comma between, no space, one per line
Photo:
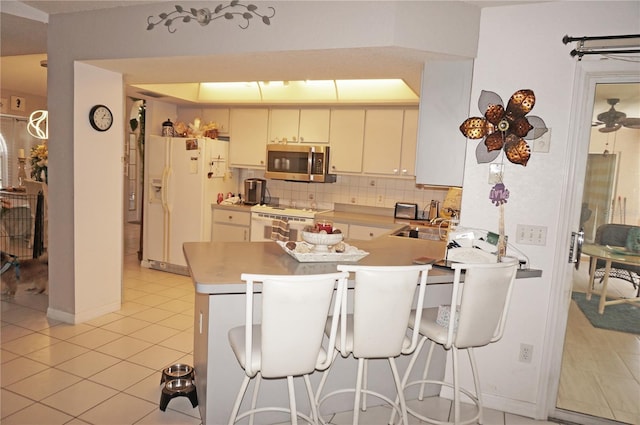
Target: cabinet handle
[404,171]
[230,217]
[395,171]
[370,234]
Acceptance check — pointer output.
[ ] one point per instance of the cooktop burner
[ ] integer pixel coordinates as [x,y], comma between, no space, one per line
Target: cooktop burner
[286,211]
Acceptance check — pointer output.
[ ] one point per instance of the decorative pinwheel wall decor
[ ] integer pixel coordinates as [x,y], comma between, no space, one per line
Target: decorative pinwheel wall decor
[504,129]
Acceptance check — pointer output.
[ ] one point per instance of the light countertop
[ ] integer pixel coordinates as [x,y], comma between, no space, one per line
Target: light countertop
[216,266]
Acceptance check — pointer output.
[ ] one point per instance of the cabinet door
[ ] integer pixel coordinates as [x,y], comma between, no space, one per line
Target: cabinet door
[283,124]
[248,137]
[344,228]
[346,138]
[409,140]
[229,233]
[444,105]
[383,141]
[219,116]
[314,126]
[365,233]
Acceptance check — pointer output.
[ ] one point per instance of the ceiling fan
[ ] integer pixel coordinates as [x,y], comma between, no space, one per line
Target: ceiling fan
[614,120]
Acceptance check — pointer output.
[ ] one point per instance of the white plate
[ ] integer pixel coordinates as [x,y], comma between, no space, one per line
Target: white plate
[351,254]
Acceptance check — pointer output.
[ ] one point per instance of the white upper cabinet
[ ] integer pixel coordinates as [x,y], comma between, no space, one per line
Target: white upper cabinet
[444,105]
[389,142]
[248,137]
[314,125]
[346,138]
[409,142]
[283,125]
[299,125]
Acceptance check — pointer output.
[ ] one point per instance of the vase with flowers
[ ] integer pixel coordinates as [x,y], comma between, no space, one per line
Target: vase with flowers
[39,160]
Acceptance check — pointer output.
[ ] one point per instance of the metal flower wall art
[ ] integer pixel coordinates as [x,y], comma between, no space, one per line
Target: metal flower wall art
[204,16]
[504,129]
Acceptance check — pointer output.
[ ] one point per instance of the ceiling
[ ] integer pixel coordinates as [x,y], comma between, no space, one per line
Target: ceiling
[23,47]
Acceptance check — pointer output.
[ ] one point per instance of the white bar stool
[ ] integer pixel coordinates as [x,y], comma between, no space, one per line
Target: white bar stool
[481,305]
[382,301]
[288,341]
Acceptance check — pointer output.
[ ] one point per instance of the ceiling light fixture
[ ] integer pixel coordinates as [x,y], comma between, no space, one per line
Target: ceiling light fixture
[374,91]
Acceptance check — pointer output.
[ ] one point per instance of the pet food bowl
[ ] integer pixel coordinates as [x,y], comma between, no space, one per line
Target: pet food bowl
[177,371]
[181,387]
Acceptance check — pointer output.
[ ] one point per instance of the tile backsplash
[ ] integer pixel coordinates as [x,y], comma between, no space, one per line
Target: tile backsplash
[355,190]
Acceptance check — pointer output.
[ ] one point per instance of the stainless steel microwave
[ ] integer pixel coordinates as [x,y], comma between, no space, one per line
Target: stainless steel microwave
[302,163]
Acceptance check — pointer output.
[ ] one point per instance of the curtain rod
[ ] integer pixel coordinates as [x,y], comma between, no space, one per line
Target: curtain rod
[582,50]
[581,53]
[568,39]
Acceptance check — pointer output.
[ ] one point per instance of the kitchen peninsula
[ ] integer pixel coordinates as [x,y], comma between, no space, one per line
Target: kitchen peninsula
[220,305]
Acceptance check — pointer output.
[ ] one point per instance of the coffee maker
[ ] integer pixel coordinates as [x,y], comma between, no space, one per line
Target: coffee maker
[254,191]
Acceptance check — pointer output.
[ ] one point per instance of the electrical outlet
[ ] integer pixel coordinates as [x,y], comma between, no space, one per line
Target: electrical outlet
[353,200]
[543,143]
[372,183]
[380,200]
[311,196]
[531,235]
[526,353]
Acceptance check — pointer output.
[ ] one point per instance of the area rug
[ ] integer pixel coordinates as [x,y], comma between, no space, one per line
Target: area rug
[618,317]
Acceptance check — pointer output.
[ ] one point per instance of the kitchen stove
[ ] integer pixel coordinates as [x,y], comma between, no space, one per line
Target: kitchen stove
[264,216]
[287,212]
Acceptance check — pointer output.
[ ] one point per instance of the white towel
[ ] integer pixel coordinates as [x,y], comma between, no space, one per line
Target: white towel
[280,230]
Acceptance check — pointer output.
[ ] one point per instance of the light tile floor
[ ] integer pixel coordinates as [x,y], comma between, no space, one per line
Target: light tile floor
[107,371]
[600,373]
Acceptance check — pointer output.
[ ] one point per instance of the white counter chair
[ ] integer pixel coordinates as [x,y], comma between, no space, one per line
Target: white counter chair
[288,341]
[483,302]
[382,301]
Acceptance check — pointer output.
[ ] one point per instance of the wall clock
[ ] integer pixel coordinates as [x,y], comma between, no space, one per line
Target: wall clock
[100,118]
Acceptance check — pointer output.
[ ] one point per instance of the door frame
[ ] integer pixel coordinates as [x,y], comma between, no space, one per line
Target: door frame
[588,74]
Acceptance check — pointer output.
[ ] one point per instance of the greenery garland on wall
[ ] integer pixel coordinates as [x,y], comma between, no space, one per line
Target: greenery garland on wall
[204,15]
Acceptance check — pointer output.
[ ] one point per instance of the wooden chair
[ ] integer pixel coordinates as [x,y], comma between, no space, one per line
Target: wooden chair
[616,235]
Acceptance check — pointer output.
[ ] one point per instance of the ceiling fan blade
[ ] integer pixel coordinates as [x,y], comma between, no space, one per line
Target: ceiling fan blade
[631,123]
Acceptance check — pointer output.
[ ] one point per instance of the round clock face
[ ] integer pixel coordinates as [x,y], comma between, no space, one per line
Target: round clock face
[100,118]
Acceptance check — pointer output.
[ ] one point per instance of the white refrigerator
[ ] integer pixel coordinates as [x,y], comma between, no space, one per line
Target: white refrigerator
[183,177]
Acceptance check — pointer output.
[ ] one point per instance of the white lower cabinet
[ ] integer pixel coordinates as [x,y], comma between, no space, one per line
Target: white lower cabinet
[344,228]
[365,233]
[230,226]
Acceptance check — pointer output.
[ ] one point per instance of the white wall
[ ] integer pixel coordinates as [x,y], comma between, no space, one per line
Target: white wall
[520,47]
[299,26]
[97,201]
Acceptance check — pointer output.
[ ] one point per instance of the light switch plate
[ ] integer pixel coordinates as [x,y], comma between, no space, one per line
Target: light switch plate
[495,173]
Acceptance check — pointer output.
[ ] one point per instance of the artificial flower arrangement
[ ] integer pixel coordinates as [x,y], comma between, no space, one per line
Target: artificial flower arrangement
[196,129]
[504,130]
[39,160]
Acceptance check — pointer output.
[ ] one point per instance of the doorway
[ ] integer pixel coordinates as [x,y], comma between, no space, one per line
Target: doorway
[598,375]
